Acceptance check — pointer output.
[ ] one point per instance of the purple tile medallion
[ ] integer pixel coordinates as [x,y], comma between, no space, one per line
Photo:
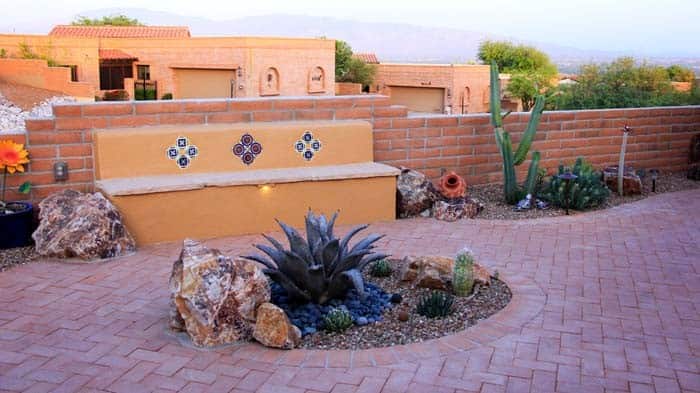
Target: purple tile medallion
[247,149]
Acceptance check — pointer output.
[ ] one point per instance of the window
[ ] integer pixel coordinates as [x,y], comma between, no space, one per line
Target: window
[143,72]
[73,73]
[112,74]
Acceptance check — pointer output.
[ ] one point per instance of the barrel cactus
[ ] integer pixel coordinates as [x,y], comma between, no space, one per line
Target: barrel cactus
[320,267]
[512,191]
[463,273]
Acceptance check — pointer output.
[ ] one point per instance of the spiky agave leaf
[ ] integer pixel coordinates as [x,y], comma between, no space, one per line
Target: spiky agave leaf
[320,267]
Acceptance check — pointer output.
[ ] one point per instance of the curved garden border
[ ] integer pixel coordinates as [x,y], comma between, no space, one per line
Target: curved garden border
[527,301]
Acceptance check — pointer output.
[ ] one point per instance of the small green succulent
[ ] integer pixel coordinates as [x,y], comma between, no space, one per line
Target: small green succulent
[337,320]
[381,268]
[435,305]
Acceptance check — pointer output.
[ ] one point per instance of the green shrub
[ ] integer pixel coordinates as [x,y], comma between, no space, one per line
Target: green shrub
[3,53]
[115,95]
[435,305]
[337,320]
[147,94]
[167,96]
[585,192]
[381,268]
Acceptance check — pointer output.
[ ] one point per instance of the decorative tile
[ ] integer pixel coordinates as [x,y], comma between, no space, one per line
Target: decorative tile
[182,152]
[247,149]
[307,146]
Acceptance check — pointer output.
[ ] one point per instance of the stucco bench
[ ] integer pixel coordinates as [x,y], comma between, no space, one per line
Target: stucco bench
[209,181]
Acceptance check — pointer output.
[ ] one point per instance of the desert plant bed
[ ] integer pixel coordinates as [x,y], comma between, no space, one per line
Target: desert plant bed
[495,207]
[388,328]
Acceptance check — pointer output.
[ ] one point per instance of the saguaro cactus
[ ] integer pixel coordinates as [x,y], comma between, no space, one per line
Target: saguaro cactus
[512,191]
[463,273]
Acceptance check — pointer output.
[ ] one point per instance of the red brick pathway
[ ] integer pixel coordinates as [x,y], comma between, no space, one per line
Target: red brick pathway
[604,302]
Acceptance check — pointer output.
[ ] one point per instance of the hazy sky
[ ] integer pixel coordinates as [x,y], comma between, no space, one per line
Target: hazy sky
[660,27]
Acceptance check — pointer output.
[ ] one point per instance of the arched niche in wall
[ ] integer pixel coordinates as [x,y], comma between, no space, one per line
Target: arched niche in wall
[270,82]
[317,80]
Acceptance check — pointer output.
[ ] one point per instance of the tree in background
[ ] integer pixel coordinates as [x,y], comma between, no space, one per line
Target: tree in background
[351,69]
[111,20]
[624,83]
[531,71]
[678,73]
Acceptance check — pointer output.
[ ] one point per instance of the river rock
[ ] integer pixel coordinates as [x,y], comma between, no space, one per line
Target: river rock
[631,182]
[214,298]
[273,328]
[415,193]
[85,226]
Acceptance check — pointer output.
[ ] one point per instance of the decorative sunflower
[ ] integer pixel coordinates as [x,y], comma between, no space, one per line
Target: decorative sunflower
[13,156]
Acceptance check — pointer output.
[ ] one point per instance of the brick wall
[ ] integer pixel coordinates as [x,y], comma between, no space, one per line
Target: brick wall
[660,138]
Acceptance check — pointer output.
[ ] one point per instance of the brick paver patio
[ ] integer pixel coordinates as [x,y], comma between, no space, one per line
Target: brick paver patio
[605,301]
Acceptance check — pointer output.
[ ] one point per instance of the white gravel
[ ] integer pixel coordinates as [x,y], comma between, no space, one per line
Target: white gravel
[12,117]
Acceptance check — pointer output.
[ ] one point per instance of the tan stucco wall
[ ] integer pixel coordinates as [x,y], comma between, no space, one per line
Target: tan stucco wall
[452,77]
[293,58]
[141,152]
[226,211]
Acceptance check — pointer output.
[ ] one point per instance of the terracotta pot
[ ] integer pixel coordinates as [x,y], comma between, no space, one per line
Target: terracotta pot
[453,185]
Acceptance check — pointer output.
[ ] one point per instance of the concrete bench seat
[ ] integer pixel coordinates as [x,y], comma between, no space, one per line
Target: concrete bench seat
[258,177]
[206,181]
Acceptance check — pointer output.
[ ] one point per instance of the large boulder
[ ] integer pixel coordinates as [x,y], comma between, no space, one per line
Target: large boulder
[436,272]
[214,298]
[631,182]
[85,226]
[456,209]
[428,271]
[414,193]
[273,328]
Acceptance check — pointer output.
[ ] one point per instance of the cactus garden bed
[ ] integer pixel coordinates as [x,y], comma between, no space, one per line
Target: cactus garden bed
[495,208]
[391,330]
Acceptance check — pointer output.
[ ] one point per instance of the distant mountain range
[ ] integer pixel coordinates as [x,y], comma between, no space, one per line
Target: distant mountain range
[390,41]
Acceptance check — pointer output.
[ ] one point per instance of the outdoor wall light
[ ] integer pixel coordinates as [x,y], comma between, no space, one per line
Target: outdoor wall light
[60,171]
[266,187]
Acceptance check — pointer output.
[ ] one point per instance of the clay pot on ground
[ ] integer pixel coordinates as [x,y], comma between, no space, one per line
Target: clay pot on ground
[453,185]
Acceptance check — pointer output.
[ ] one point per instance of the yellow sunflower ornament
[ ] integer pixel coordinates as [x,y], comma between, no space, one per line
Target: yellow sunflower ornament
[13,156]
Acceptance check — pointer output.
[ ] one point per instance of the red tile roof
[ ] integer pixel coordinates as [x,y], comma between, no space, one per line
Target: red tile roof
[115,54]
[120,31]
[369,58]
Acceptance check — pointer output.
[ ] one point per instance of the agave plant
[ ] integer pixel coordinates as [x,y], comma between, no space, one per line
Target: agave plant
[320,267]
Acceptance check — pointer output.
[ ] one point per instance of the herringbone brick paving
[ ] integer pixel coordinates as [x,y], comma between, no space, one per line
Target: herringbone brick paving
[606,301]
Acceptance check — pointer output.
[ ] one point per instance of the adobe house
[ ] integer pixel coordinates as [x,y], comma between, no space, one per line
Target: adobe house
[436,88]
[168,59]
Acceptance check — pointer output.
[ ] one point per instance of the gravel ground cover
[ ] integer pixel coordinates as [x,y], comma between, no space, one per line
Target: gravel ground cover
[12,116]
[16,257]
[390,331]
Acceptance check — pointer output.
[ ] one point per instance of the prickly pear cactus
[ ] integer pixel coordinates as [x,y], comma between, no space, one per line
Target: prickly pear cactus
[463,273]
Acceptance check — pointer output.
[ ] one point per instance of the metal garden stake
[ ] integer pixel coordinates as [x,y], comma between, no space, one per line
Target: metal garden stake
[621,165]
